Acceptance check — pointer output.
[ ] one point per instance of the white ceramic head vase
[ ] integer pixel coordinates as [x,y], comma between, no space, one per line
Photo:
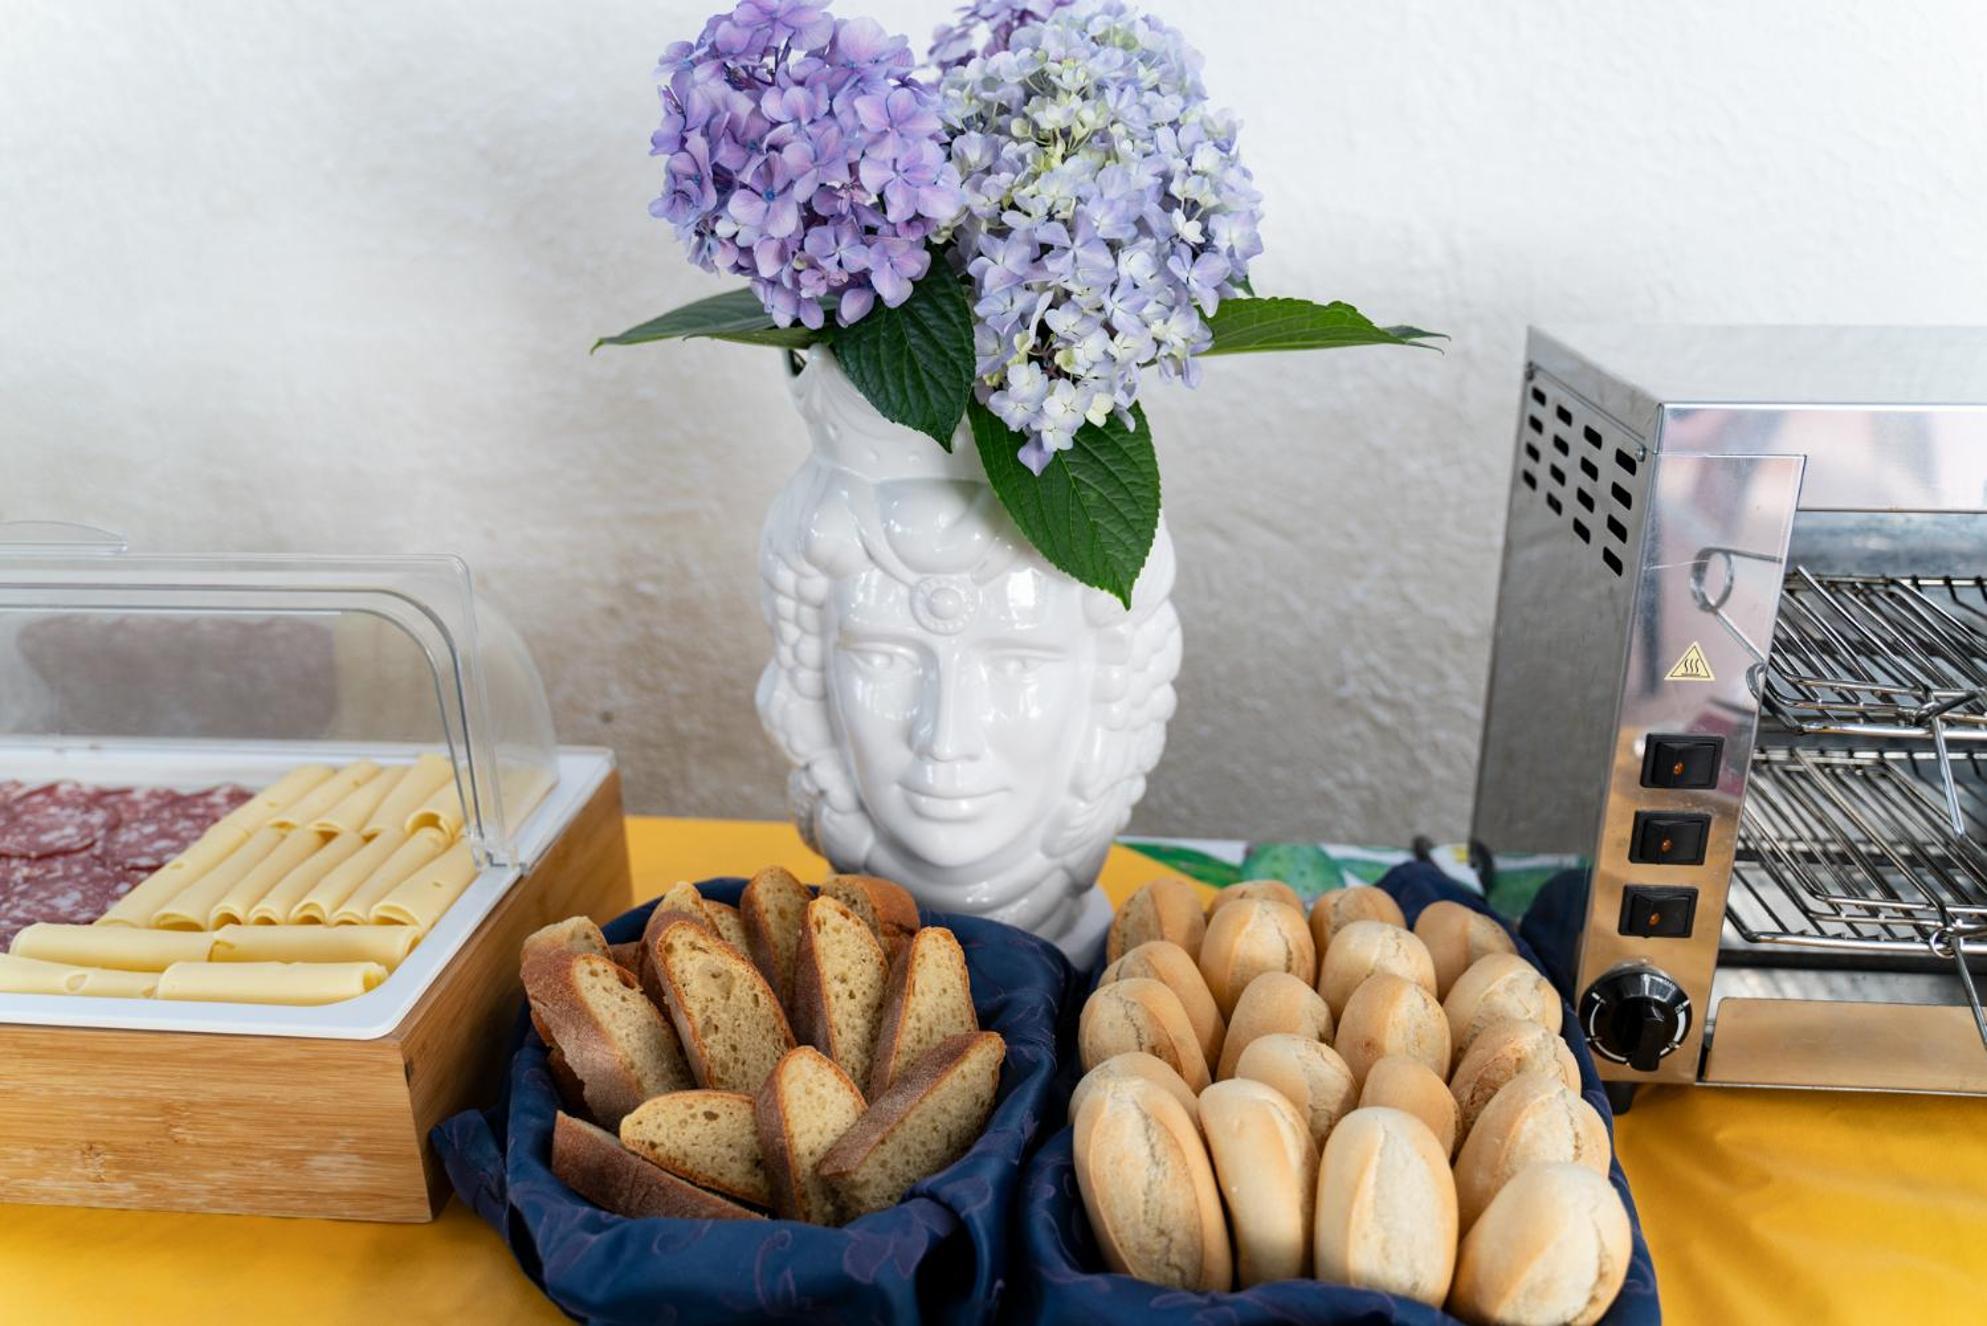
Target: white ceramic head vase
[961,716]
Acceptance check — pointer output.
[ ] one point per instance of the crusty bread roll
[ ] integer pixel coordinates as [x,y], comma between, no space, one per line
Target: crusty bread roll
[1499,1053]
[1148,1188]
[1534,1120]
[1246,939]
[1360,948]
[1172,966]
[1386,1207]
[1168,909]
[1388,1015]
[1552,1247]
[1457,936]
[1306,1072]
[1263,890]
[1140,1014]
[1267,1166]
[1275,1002]
[1341,907]
[1495,987]
[1135,1063]
[1398,1082]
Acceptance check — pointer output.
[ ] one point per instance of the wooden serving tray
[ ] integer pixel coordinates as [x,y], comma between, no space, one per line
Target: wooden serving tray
[277,1125]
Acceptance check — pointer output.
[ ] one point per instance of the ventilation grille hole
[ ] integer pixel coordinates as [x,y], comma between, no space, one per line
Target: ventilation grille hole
[1604,505]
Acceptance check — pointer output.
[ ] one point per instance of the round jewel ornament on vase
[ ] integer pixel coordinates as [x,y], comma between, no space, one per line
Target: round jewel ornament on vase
[971,265]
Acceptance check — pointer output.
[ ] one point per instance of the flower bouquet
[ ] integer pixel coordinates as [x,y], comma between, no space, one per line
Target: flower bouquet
[1011,233]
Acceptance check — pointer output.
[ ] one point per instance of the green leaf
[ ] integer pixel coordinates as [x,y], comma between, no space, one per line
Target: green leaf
[914,363]
[735,315]
[1243,326]
[1093,513]
[1188,861]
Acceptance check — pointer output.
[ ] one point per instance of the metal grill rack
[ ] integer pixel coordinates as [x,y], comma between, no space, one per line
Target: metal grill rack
[1880,656]
[1854,852]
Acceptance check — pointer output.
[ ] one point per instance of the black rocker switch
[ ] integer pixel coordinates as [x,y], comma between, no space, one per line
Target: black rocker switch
[1657,913]
[1668,840]
[1686,762]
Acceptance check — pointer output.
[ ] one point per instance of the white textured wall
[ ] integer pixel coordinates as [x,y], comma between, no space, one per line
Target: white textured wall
[305,276]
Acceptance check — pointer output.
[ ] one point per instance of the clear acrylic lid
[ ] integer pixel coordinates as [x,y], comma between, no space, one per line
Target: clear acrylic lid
[182,660]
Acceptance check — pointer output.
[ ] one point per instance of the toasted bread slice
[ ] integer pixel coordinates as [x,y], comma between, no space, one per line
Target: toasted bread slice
[590,1162]
[707,1137]
[575,934]
[679,902]
[732,1028]
[889,910]
[773,906]
[729,924]
[930,998]
[805,1106]
[839,979]
[613,1040]
[928,1119]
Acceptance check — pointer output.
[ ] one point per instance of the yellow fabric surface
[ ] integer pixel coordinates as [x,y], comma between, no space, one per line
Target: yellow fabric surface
[1762,1207]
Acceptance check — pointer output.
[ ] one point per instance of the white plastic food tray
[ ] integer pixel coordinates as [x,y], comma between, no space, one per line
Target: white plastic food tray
[192,765]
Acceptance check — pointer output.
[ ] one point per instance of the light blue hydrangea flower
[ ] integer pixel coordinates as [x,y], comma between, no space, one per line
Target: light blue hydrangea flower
[799,150]
[984,26]
[1106,210]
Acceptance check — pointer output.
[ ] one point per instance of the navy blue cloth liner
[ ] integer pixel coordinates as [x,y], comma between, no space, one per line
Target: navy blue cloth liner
[1060,1278]
[940,1255]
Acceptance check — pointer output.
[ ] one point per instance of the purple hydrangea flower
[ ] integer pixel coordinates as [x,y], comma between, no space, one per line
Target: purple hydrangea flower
[985,26]
[1107,210]
[800,150]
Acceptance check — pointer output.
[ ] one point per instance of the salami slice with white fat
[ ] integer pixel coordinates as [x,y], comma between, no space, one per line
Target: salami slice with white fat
[157,824]
[54,820]
[71,890]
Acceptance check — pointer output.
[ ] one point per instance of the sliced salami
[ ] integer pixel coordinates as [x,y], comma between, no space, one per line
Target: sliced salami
[156,825]
[54,820]
[72,890]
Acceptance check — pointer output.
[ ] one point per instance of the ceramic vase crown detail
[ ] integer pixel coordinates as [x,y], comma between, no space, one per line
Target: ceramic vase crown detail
[961,716]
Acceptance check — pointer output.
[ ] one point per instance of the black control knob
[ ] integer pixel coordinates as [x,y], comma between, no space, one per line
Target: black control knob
[1635,1015]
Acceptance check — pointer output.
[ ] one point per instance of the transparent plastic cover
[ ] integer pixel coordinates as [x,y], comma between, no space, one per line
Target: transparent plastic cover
[106,649]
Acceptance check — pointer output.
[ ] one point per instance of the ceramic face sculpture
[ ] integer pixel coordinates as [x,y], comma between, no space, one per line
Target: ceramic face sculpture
[961,716]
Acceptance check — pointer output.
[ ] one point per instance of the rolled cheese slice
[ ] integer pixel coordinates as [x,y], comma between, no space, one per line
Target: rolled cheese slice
[269,982]
[276,905]
[388,945]
[137,907]
[350,814]
[417,851]
[124,948]
[20,975]
[256,812]
[297,847]
[325,795]
[188,909]
[416,785]
[329,894]
[421,898]
[442,810]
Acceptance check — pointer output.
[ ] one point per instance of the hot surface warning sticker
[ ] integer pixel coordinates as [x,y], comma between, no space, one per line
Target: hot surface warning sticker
[1693,666]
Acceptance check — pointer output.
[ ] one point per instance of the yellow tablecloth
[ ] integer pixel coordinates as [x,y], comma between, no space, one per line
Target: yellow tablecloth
[1796,1207]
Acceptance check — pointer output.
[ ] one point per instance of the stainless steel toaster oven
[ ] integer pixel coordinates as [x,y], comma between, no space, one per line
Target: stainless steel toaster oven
[1740,670]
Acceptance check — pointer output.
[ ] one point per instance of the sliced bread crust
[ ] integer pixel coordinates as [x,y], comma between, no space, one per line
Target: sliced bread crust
[929,1118]
[805,1106]
[590,1162]
[575,934]
[772,908]
[930,998]
[840,977]
[888,909]
[707,1137]
[732,1027]
[612,1041]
